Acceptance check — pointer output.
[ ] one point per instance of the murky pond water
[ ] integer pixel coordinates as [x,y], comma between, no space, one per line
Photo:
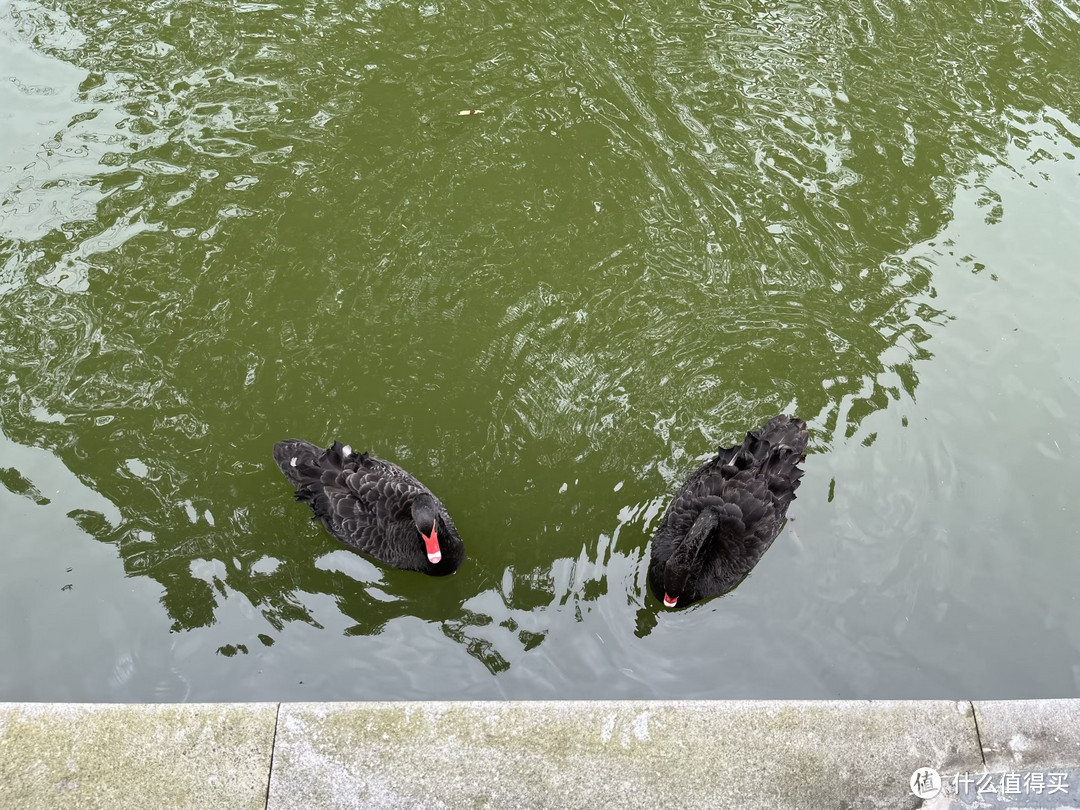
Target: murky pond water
[222,224]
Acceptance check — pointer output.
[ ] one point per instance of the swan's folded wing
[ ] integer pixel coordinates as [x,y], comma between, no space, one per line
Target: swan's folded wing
[384,498]
[751,495]
[683,510]
[359,525]
[381,468]
[352,520]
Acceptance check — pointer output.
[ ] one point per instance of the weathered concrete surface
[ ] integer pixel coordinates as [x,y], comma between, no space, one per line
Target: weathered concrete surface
[135,756]
[723,754]
[1029,734]
[715,754]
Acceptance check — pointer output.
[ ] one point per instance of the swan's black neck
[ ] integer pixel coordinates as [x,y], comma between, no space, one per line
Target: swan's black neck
[691,547]
[682,568]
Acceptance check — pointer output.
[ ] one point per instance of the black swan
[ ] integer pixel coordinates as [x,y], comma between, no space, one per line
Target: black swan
[727,514]
[373,505]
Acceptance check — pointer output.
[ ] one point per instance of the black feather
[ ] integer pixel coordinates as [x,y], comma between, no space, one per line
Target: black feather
[370,504]
[727,514]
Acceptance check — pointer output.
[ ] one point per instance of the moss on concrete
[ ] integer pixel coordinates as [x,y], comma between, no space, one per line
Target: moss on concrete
[615,754]
[714,754]
[135,756]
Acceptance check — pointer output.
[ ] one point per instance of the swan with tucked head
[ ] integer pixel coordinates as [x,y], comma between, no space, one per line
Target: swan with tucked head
[727,514]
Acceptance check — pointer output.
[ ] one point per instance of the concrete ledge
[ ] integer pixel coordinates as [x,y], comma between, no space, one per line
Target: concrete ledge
[610,754]
[615,754]
[1029,734]
[124,756]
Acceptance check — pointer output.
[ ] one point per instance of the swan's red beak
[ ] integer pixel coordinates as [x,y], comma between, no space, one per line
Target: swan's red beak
[431,544]
[670,601]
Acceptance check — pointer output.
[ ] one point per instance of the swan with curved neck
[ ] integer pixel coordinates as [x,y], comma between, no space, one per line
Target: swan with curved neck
[373,505]
[727,514]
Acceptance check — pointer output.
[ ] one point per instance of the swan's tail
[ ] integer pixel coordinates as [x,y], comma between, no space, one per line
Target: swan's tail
[313,471]
[781,434]
[304,464]
[786,438]
[784,431]
[298,460]
[775,451]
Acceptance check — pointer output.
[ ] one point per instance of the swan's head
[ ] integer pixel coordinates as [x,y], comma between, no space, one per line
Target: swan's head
[682,573]
[677,586]
[426,517]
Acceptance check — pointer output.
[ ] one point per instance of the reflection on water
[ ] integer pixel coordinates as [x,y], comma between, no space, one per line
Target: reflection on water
[220,225]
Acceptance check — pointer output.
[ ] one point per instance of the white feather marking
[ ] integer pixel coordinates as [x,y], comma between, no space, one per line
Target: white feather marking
[346,450]
[293,462]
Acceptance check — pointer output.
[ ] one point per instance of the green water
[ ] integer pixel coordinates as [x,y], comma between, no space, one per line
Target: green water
[223,224]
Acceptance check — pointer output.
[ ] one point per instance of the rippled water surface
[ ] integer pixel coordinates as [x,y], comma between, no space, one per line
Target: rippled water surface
[222,224]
